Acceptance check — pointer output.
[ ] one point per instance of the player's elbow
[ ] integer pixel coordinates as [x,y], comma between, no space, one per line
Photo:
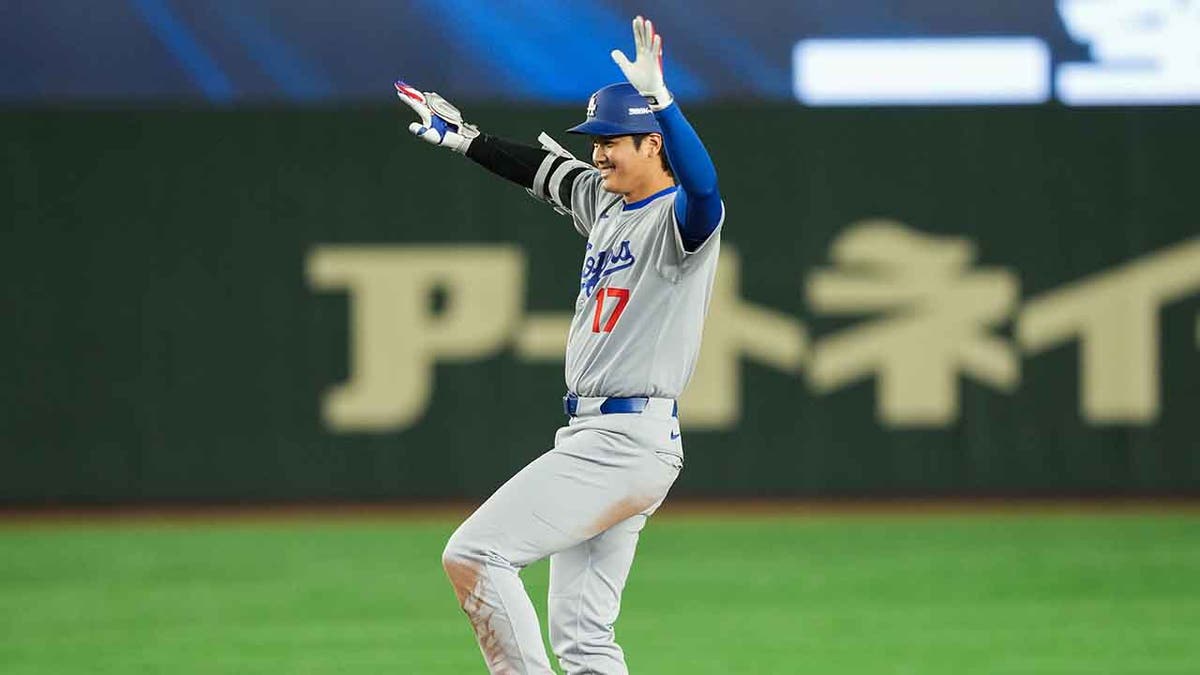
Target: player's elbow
[704,189]
[701,214]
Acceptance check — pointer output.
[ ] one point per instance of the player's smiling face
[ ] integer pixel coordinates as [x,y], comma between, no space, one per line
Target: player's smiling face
[626,168]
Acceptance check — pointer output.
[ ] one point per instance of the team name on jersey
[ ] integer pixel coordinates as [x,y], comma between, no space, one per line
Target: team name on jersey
[600,264]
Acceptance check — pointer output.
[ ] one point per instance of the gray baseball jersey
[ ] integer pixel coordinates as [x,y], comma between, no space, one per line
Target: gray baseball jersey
[642,298]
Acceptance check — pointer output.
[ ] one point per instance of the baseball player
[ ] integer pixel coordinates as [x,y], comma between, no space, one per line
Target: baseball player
[651,213]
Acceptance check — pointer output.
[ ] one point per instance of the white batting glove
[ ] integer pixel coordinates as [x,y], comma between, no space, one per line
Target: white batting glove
[441,123]
[645,73]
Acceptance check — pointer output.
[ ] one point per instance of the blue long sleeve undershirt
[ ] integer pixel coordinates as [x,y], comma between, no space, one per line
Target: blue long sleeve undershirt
[698,202]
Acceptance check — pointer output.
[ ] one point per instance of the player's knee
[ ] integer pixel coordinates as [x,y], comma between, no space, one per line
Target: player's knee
[463,565]
[463,561]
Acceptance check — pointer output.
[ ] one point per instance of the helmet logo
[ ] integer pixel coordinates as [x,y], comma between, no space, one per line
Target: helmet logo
[591,109]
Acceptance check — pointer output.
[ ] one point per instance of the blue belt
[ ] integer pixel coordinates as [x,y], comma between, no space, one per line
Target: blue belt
[613,405]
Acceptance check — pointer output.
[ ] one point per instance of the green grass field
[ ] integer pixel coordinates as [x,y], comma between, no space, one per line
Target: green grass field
[924,594]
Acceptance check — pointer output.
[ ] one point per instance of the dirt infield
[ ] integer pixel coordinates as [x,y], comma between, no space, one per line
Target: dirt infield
[674,508]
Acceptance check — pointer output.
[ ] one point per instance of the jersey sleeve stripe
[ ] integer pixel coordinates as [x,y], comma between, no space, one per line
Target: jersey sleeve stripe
[564,186]
[563,177]
[541,179]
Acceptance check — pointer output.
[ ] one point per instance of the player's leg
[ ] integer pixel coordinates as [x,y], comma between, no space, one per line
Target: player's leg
[485,556]
[596,476]
[586,582]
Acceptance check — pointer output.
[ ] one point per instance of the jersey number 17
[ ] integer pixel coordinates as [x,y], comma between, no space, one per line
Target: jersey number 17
[621,295]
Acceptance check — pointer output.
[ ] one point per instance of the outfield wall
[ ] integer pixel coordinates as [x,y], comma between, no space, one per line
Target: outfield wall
[308,305]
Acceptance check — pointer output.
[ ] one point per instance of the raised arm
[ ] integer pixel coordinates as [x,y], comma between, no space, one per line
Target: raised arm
[698,208]
[547,175]
[442,124]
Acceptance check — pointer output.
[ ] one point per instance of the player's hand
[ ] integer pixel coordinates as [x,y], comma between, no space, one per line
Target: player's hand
[441,123]
[645,73]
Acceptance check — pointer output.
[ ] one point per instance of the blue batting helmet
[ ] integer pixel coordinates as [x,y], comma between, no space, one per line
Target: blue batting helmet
[617,110]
